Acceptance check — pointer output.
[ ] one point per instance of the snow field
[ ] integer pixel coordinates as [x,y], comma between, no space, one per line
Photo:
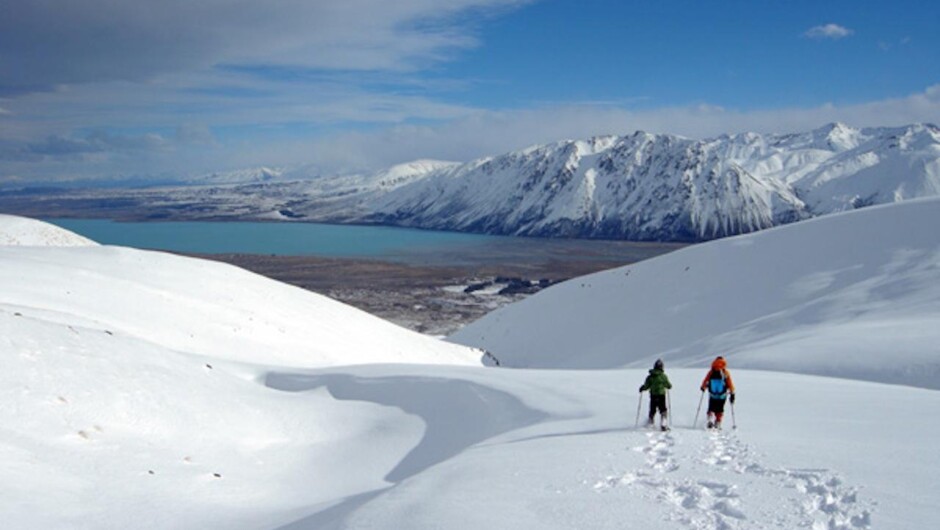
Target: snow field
[146,390]
[527,460]
[115,429]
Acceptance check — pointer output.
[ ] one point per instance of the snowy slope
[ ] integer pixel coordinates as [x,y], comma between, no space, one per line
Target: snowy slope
[22,231]
[143,390]
[839,295]
[664,187]
[130,395]
[102,429]
[203,307]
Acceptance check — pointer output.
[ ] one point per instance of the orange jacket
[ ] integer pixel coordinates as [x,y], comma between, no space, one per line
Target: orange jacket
[720,365]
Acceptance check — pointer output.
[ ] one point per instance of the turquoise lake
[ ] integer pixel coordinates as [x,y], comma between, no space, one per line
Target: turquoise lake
[347,241]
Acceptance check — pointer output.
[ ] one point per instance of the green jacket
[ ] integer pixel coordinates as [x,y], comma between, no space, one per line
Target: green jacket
[657,383]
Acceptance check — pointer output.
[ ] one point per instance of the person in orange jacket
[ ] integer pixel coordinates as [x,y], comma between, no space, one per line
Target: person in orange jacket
[719,385]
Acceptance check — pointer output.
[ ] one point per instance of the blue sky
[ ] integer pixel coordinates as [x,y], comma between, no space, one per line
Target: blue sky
[116,88]
[738,54]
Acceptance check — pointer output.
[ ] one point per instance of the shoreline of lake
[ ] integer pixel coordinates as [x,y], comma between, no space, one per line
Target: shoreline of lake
[414,278]
[386,243]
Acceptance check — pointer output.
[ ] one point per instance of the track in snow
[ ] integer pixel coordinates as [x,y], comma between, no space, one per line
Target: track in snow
[715,481]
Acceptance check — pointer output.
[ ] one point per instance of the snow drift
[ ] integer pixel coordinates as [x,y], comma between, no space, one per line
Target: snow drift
[132,395]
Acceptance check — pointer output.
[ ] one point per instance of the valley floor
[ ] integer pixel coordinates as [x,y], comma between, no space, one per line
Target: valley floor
[430,298]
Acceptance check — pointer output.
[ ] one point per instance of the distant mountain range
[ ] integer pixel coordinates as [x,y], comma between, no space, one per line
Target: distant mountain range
[642,187]
[664,187]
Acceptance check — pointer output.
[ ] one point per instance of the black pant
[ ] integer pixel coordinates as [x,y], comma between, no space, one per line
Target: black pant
[657,402]
[716,406]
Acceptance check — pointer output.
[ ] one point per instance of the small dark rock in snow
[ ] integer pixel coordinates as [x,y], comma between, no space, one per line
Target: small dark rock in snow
[477,286]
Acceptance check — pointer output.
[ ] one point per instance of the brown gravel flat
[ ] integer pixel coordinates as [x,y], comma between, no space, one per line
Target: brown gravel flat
[428,298]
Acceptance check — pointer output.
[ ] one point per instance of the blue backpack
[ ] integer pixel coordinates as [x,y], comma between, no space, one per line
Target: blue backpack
[717,388]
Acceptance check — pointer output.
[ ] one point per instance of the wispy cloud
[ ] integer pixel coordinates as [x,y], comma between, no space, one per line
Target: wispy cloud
[488,133]
[887,46]
[56,42]
[828,31]
[459,134]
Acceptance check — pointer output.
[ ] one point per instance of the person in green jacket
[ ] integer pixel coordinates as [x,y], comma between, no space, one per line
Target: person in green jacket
[657,383]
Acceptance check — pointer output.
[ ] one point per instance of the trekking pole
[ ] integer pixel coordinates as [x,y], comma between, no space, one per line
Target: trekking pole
[665,417]
[734,424]
[699,409]
[639,403]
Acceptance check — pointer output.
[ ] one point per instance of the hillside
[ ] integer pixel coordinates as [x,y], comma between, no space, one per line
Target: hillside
[21,231]
[146,390]
[838,295]
[199,307]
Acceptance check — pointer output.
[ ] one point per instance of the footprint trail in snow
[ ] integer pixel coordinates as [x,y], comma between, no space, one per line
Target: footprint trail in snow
[739,491]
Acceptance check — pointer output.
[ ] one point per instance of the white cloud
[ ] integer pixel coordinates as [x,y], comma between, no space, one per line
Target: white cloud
[828,31]
[449,133]
[489,133]
[51,42]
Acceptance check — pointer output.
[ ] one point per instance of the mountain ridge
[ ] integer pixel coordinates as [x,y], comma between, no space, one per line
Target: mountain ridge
[664,187]
[641,187]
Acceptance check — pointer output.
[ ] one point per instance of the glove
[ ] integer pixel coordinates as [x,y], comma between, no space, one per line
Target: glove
[641,389]
[732,399]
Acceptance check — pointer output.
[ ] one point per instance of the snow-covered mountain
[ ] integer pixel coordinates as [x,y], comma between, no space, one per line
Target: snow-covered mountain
[664,187]
[852,294]
[638,187]
[141,389]
[240,176]
[336,198]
